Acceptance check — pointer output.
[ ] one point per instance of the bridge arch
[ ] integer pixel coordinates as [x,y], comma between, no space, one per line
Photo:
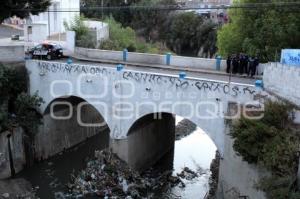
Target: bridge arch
[150,137]
[200,123]
[214,125]
[68,121]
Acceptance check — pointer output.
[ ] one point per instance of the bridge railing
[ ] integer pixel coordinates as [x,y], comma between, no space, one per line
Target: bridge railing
[152,59]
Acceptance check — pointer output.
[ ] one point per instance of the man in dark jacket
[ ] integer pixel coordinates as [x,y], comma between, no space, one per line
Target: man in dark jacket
[246,69]
[228,62]
[256,63]
[243,64]
[253,63]
[235,64]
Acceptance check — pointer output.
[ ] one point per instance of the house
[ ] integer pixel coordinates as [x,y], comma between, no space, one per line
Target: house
[205,8]
[40,27]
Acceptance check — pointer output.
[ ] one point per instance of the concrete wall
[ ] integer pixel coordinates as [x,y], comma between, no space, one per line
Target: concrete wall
[57,135]
[144,58]
[16,142]
[39,32]
[283,80]
[102,29]
[70,42]
[12,53]
[148,141]
[237,177]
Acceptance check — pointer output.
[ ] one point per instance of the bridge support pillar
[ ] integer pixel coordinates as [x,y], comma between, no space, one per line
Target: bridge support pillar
[148,141]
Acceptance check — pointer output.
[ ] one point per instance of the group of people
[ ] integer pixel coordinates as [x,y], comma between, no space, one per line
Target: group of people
[242,64]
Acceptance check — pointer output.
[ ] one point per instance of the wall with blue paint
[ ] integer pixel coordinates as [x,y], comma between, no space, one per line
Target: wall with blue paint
[290,57]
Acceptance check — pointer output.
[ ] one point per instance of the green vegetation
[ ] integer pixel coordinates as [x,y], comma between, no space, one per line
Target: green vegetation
[84,36]
[121,38]
[17,107]
[189,33]
[123,16]
[183,33]
[262,31]
[271,142]
[151,23]
[22,9]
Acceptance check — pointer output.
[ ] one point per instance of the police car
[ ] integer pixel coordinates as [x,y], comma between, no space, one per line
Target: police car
[46,50]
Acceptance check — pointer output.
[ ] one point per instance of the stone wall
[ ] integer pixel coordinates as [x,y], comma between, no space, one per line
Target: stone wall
[283,80]
[17,148]
[12,53]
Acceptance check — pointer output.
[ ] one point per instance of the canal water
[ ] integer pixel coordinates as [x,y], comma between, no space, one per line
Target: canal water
[195,151]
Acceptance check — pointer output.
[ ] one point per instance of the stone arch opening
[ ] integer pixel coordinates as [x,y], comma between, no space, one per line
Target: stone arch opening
[68,121]
[194,141]
[152,136]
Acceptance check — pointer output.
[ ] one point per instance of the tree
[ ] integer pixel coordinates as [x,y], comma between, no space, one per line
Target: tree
[21,8]
[150,22]
[188,33]
[263,30]
[92,9]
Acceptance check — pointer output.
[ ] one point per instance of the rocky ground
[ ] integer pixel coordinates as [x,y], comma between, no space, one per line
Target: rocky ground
[184,128]
[16,188]
[106,176]
[214,178]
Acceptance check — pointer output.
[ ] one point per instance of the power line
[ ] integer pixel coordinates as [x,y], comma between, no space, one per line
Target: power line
[294,5]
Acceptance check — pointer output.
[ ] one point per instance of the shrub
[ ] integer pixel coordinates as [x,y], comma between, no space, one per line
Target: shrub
[84,36]
[120,38]
[17,107]
[125,38]
[271,142]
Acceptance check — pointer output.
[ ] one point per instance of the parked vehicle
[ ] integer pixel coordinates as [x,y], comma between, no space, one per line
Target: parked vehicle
[46,50]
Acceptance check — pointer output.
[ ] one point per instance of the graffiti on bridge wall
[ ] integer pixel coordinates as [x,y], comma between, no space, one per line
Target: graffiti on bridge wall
[200,85]
[71,68]
[140,77]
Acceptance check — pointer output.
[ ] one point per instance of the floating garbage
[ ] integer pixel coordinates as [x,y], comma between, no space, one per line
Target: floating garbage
[106,176]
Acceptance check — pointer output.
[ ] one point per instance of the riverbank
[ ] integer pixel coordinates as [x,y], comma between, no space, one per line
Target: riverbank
[16,188]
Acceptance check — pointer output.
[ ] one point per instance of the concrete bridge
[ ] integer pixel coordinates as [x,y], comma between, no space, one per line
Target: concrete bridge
[138,107]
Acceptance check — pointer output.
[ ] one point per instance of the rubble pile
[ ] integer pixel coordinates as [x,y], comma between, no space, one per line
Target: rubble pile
[188,174]
[106,176]
[184,128]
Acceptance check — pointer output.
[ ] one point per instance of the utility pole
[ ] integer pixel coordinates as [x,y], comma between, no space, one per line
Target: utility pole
[102,9]
[48,23]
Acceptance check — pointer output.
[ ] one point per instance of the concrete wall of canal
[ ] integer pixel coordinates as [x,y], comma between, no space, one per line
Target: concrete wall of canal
[57,135]
[148,141]
[17,152]
[237,178]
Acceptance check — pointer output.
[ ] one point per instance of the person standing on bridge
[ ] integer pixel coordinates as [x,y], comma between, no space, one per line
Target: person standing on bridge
[235,64]
[253,64]
[228,62]
[243,64]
